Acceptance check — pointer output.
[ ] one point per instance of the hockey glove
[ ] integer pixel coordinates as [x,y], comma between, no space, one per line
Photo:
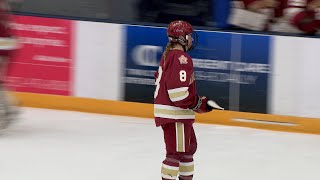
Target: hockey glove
[202,105]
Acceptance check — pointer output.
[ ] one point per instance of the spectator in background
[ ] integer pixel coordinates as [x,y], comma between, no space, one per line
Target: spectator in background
[7,45]
[256,14]
[290,16]
[313,5]
[261,5]
[272,8]
[304,15]
[284,15]
[197,12]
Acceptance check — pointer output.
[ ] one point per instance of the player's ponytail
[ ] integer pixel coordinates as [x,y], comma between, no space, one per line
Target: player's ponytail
[168,47]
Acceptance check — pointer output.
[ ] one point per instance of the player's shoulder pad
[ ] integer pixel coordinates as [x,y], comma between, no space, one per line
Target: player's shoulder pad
[183,59]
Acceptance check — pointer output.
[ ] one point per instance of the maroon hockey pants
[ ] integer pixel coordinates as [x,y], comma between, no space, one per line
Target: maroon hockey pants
[181,144]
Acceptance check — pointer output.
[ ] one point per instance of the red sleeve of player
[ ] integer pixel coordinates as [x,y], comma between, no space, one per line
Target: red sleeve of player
[247,2]
[300,17]
[180,85]
[7,42]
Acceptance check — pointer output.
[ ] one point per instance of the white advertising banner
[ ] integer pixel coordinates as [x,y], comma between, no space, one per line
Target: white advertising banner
[98,60]
[295,77]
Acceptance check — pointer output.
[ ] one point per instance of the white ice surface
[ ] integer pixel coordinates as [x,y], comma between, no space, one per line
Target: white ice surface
[64,145]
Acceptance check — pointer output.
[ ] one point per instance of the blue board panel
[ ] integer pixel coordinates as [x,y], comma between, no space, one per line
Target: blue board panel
[230,68]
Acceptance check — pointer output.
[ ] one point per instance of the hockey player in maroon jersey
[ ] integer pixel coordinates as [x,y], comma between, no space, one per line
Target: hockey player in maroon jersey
[295,16]
[272,8]
[176,101]
[7,45]
[257,5]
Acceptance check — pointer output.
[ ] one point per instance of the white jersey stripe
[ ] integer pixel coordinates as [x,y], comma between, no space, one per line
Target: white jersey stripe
[168,107]
[180,138]
[179,98]
[170,167]
[186,163]
[181,89]
[297,3]
[165,176]
[172,112]
[8,44]
[174,116]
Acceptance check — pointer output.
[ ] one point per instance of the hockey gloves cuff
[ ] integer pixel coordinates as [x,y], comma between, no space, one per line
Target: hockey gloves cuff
[202,105]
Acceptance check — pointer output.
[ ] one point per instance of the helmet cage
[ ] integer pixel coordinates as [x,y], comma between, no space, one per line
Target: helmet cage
[184,41]
[194,36]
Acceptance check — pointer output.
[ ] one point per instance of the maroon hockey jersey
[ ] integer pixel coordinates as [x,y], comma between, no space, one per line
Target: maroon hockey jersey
[175,91]
[7,42]
[294,12]
[276,12]
[307,20]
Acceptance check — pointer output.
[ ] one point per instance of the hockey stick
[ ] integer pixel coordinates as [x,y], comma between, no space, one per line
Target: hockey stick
[214,105]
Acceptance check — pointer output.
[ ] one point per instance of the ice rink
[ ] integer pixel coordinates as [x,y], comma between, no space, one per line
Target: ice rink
[64,145]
